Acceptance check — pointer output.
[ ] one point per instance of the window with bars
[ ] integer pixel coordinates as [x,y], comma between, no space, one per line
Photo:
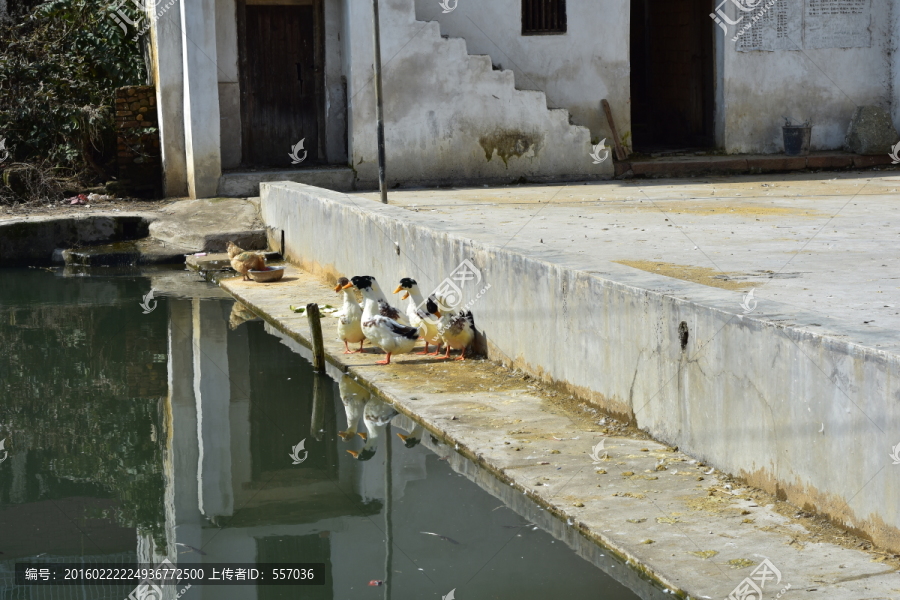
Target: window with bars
[541,17]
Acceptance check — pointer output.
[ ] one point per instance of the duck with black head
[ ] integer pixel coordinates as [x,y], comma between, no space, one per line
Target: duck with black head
[386,333]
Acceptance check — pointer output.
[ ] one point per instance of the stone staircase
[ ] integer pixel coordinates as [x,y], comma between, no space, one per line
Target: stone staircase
[451,118]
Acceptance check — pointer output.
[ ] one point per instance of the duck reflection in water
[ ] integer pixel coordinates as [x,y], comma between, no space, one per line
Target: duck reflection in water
[354,396]
[377,414]
[412,439]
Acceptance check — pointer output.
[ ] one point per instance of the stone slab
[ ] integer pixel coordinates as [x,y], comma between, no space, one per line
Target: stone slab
[207,225]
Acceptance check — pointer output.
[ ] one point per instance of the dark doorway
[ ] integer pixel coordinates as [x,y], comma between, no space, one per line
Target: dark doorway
[672,72]
[282,88]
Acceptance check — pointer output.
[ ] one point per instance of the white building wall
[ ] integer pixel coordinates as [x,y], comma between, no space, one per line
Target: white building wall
[575,70]
[450,118]
[824,85]
[168,78]
[335,86]
[229,88]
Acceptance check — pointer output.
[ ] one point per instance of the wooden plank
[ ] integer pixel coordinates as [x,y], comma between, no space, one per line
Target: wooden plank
[620,152]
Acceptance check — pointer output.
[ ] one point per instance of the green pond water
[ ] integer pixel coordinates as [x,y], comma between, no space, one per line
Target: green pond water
[132,436]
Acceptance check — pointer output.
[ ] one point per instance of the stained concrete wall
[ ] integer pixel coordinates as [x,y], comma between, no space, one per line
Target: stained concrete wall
[335,85]
[168,78]
[575,70]
[805,415]
[451,118]
[823,85]
[229,86]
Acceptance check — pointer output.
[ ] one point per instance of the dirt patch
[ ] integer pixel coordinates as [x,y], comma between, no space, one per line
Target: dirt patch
[817,529]
[702,275]
[64,209]
[725,207]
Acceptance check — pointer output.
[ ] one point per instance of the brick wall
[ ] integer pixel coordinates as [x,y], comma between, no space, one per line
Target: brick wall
[137,128]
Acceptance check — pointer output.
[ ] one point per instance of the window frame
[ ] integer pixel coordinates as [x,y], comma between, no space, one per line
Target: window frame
[564,21]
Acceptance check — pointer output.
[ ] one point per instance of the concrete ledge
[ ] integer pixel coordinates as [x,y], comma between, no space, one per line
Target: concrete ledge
[244,184]
[31,241]
[688,166]
[781,398]
[829,161]
[864,162]
[777,163]
[649,505]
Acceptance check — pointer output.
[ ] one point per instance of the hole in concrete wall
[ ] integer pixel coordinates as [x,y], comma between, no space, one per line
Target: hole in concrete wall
[683,334]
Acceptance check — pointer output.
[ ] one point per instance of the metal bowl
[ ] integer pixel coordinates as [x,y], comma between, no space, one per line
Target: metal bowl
[270,274]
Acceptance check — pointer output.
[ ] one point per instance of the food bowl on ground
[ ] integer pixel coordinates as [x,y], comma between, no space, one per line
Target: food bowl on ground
[269,274]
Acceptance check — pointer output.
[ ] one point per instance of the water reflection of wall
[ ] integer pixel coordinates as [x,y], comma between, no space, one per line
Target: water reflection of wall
[238,402]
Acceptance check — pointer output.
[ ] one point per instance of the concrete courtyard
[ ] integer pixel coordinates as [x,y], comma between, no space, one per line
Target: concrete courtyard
[826,243]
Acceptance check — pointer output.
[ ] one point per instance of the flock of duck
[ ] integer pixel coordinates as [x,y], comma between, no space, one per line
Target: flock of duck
[396,332]
[379,322]
[393,331]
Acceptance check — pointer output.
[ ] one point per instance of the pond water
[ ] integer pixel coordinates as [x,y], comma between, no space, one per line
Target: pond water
[194,432]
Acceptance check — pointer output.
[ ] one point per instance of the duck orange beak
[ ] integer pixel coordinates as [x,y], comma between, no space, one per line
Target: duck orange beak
[347,287]
[338,287]
[364,436]
[437,313]
[345,435]
[399,289]
[353,453]
[402,437]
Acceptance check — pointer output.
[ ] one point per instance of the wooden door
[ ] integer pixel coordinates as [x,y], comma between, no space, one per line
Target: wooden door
[281,90]
[672,74]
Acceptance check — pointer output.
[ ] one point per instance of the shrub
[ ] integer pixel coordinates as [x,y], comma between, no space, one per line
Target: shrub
[60,64]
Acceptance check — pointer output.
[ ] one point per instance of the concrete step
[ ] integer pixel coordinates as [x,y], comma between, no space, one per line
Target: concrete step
[693,166]
[245,183]
[208,225]
[147,251]
[220,261]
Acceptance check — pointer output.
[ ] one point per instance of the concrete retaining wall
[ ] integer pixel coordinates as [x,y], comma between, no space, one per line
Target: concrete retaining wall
[803,415]
[26,242]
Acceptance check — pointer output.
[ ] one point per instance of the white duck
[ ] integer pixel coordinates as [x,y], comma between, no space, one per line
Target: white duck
[377,415]
[457,331]
[384,332]
[384,308]
[349,318]
[423,314]
[354,396]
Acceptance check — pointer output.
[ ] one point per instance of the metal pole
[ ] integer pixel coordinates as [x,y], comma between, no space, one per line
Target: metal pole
[388,517]
[379,106]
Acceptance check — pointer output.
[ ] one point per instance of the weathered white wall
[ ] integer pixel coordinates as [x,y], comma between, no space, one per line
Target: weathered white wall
[335,92]
[824,85]
[576,70]
[201,98]
[166,71]
[450,118]
[229,88]
[895,65]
